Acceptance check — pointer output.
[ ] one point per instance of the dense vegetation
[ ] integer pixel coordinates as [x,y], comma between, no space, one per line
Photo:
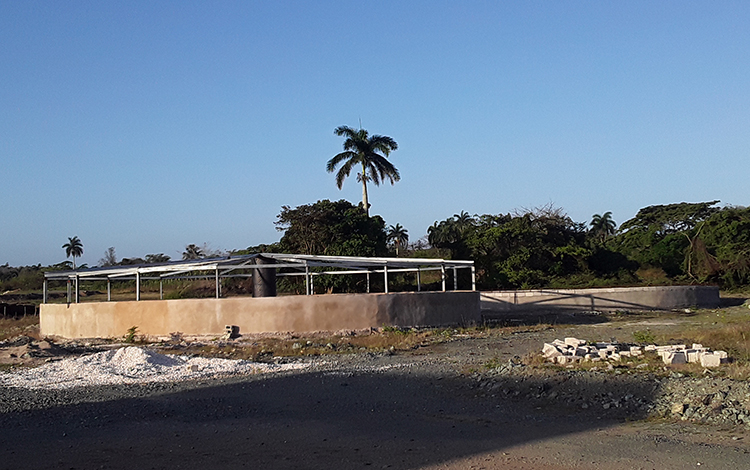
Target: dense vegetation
[684,243]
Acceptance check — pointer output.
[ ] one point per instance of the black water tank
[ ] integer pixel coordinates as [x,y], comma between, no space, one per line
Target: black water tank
[264,280]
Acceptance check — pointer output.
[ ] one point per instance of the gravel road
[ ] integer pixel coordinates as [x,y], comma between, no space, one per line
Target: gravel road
[434,407]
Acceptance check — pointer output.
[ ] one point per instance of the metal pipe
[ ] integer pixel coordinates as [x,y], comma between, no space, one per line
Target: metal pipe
[368,282]
[473,279]
[419,280]
[455,278]
[385,276]
[44,291]
[137,285]
[109,290]
[442,275]
[161,289]
[307,280]
[218,294]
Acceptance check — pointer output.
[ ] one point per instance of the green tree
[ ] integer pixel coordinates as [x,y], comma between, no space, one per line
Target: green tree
[331,228]
[371,153]
[74,248]
[192,252]
[602,226]
[398,235]
[109,258]
[157,258]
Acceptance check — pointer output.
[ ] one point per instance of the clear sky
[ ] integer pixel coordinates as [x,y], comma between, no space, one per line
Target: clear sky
[151,125]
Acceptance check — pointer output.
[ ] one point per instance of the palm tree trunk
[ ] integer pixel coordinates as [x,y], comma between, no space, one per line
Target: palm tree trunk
[365,202]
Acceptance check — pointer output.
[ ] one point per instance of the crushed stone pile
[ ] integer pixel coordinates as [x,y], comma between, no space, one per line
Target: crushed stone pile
[131,365]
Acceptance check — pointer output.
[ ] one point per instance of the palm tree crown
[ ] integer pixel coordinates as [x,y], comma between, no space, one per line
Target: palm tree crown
[398,235]
[603,225]
[369,151]
[73,248]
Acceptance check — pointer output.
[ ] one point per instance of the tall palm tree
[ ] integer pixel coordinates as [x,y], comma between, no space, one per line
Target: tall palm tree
[73,248]
[398,235]
[369,151]
[603,225]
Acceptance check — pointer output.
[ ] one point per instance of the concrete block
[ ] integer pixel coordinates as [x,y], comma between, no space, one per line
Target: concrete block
[675,357]
[624,353]
[650,347]
[603,353]
[559,344]
[575,342]
[550,350]
[614,357]
[721,354]
[693,355]
[710,360]
[697,346]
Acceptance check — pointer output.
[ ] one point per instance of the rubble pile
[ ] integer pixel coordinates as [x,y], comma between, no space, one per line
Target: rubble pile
[572,350]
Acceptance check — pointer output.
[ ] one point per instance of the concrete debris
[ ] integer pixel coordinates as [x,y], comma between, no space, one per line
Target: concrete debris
[573,350]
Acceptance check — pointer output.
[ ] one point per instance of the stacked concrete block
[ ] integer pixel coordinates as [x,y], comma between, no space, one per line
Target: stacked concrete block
[679,354]
[573,350]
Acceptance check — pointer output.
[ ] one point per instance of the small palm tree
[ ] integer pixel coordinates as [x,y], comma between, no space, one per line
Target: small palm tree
[603,225]
[397,235]
[369,151]
[73,248]
[192,251]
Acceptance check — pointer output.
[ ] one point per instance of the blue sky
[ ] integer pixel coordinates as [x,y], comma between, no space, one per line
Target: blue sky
[151,125]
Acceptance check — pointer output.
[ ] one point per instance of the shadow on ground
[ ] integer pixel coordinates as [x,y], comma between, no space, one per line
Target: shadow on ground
[311,420]
[552,316]
[726,302]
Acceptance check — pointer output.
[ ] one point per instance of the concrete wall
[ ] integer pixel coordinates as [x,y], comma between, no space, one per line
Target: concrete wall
[257,315]
[620,298]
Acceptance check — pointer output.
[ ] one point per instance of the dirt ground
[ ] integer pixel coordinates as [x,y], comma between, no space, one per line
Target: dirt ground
[415,409]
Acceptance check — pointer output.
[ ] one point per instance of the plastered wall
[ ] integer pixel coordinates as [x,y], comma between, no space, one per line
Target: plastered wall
[257,315]
[620,298]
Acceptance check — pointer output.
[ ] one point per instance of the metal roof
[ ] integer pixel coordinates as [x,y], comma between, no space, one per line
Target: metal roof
[237,264]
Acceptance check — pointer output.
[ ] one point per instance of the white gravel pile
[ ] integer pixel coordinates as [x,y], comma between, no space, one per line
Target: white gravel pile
[131,365]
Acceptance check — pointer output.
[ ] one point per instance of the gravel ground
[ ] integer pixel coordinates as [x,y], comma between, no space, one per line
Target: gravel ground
[432,407]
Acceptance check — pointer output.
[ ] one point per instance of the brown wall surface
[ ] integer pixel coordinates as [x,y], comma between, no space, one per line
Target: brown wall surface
[258,315]
[619,298]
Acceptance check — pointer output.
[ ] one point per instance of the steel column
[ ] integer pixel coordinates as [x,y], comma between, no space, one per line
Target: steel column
[455,278]
[109,290]
[137,285]
[442,275]
[473,279]
[44,291]
[385,276]
[419,280]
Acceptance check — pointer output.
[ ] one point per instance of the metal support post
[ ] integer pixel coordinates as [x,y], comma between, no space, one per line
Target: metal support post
[307,280]
[385,277]
[68,285]
[44,291]
[442,275]
[419,280]
[77,300]
[218,292]
[368,281]
[109,290]
[473,279]
[137,285]
[455,278]
[161,289]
